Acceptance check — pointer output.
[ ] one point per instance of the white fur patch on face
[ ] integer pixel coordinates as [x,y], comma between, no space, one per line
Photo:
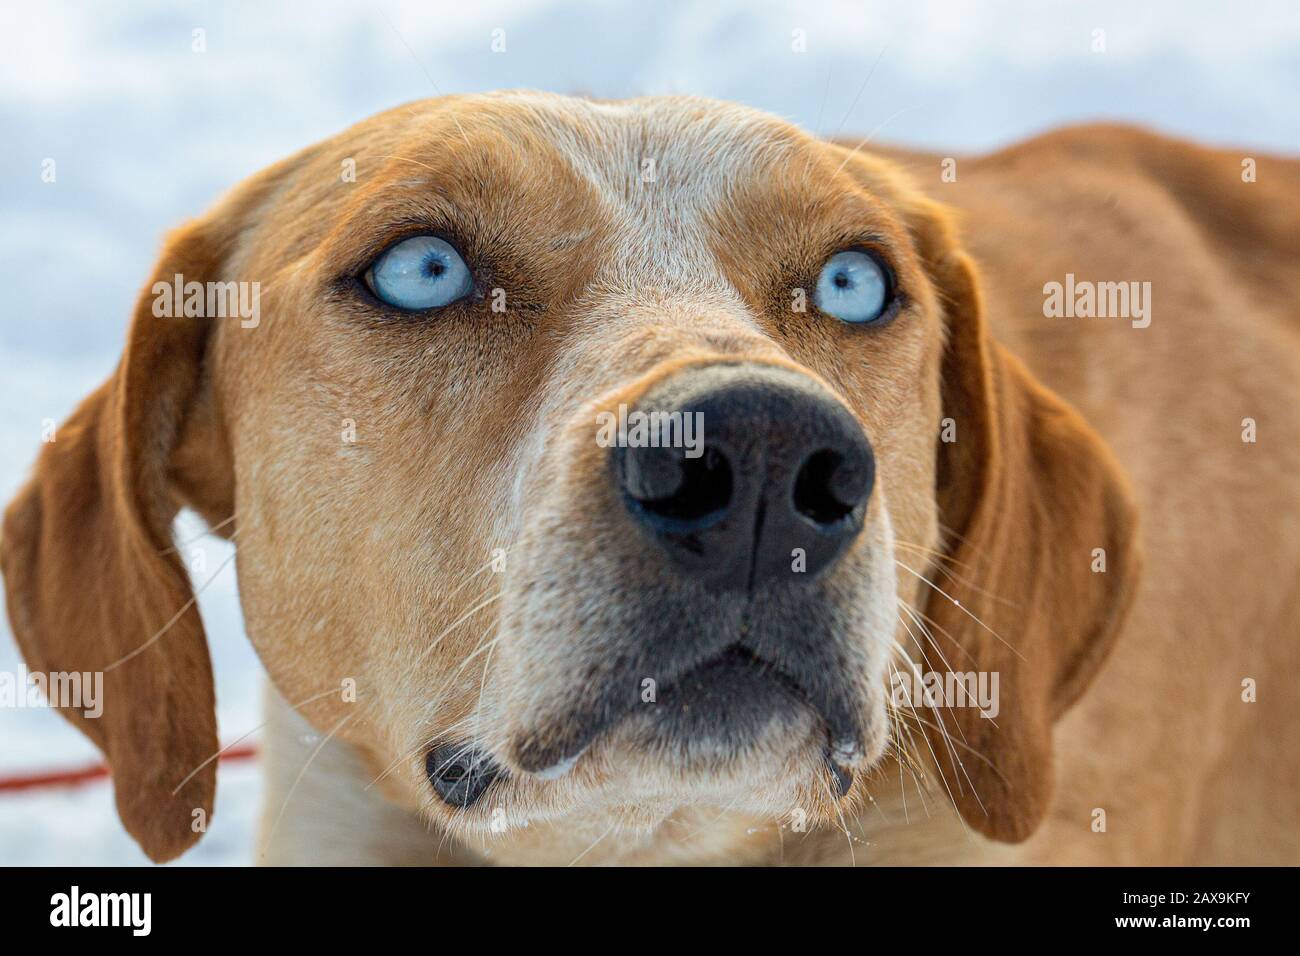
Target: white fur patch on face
[661,167]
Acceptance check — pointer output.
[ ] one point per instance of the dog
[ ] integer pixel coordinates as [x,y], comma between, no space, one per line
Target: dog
[505,620]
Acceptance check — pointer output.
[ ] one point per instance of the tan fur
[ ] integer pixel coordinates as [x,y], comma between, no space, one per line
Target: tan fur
[366,564]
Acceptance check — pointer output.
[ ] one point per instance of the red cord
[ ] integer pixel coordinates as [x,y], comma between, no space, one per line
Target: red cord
[74,778]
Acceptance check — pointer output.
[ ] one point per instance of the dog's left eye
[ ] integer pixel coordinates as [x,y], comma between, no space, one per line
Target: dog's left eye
[853,287]
[423,272]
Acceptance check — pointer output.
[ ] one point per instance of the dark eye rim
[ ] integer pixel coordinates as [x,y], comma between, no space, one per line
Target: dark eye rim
[355,278]
[895,299]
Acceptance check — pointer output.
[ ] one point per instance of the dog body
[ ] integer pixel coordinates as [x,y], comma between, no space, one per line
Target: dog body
[437,560]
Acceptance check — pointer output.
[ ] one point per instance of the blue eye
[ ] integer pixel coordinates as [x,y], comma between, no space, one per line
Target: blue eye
[852,287]
[423,272]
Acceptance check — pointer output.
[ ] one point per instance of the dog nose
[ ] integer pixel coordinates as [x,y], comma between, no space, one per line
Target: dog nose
[744,475]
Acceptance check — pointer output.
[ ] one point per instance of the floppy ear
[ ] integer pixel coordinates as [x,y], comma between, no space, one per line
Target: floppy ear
[93,582]
[1027,492]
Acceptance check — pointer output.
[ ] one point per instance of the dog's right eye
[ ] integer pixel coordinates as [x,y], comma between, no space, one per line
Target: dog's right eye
[420,273]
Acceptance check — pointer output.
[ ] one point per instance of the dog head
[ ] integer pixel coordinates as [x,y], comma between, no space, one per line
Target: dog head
[581,459]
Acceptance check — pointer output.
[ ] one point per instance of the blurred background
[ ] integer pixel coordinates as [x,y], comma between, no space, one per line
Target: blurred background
[150,110]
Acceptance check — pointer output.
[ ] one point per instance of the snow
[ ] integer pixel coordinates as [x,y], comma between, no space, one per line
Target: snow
[145,131]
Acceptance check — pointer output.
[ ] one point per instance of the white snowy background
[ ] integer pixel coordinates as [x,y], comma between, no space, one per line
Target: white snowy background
[145,131]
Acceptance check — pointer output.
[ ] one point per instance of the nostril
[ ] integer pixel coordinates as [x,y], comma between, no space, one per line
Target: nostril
[665,483]
[827,488]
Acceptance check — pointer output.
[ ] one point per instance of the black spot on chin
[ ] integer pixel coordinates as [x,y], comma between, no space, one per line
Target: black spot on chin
[460,775]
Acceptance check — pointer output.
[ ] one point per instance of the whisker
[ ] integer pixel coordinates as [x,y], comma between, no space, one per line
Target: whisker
[449,730]
[302,773]
[830,795]
[930,637]
[175,617]
[958,605]
[190,775]
[870,136]
[938,766]
[575,860]
[459,621]
[174,549]
[947,738]
[941,560]
[420,64]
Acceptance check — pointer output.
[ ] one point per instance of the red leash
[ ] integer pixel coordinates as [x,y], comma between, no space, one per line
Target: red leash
[74,778]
